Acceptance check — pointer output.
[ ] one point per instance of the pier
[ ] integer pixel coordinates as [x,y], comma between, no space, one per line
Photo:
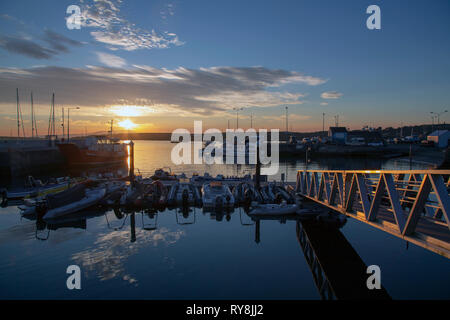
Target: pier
[413,205]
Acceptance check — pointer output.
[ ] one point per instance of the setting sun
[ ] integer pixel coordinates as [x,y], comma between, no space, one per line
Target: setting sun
[127,124]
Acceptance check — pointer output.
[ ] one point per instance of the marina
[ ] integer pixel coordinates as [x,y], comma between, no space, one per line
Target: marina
[225,159]
[137,224]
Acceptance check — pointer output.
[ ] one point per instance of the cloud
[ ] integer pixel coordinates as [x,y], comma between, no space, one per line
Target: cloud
[111,60]
[25,46]
[168,10]
[59,42]
[331,95]
[181,91]
[117,32]
[324,103]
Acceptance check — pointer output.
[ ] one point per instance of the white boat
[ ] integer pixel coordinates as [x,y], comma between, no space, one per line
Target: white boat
[217,195]
[92,197]
[184,193]
[273,209]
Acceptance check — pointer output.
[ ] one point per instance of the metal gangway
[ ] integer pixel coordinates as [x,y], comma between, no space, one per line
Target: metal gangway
[413,205]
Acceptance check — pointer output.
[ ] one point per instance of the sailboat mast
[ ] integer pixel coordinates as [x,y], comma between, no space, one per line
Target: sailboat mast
[32,116]
[53,114]
[62,122]
[18,119]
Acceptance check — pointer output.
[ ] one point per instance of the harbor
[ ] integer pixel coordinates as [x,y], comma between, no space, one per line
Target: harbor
[151,225]
[225,159]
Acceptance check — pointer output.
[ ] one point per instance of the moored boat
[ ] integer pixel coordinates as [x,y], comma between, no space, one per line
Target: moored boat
[73,200]
[273,209]
[94,151]
[184,193]
[36,188]
[217,195]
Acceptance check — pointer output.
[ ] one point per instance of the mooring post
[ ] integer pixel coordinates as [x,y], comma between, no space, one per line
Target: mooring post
[258,167]
[131,174]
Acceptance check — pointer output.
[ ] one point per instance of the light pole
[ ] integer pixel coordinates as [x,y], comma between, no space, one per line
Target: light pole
[68,122]
[287,128]
[438,115]
[323,123]
[237,116]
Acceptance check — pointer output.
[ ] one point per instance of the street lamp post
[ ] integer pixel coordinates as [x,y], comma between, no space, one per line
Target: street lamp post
[438,115]
[323,123]
[68,122]
[287,127]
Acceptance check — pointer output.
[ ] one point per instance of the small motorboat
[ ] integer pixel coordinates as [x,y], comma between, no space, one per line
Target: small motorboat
[246,193]
[201,179]
[161,174]
[217,195]
[72,200]
[184,193]
[273,209]
[35,188]
[280,194]
[157,194]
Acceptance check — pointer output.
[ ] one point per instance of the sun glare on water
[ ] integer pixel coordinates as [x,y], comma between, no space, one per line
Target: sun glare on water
[127,124]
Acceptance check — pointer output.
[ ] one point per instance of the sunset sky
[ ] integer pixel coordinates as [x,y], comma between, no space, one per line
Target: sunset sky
[154,66]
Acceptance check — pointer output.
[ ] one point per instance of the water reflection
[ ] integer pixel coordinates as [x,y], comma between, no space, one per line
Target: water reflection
[132,246]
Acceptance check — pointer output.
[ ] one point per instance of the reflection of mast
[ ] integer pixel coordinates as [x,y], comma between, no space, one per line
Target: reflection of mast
[257,231]
[133,227]
[338,271]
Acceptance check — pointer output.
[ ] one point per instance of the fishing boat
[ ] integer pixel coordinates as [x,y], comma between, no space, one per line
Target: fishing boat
[273,209]
[94,151]
[184,193]
[217,195]
[36,188]
[72,200]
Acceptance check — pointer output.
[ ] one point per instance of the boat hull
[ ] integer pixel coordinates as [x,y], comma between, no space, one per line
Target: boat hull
[79,157]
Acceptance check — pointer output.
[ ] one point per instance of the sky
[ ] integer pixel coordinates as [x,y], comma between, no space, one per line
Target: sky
[156,66]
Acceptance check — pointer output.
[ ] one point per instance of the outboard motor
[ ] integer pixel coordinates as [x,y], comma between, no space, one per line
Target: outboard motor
[219,203]
[248,196]
[185,198]
[228,199]
[278,198]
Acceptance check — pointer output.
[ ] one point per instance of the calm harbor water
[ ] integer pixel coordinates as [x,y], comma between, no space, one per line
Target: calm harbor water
[199,255]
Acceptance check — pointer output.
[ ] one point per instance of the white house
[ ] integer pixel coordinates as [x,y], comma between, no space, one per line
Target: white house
[440,138]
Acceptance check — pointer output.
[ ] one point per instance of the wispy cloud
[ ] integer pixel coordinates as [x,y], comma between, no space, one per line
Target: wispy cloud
[25,47]
[181,91]
[111,60]
[56,44]
[113,29]
[331,95]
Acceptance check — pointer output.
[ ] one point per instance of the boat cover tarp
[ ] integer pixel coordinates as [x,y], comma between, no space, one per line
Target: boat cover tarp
[73,194]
